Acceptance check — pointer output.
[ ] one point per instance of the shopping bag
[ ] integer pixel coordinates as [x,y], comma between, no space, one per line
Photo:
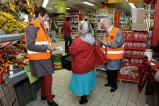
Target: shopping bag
[99,55]
[32,79]
[66,61]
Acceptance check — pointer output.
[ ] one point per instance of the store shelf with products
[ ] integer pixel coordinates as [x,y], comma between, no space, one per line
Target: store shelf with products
[14,57]
[134,51]
[59,20]
[91,17]
[74,14]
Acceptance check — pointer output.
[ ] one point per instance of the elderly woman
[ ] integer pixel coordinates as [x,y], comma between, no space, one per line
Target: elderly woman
[83,62]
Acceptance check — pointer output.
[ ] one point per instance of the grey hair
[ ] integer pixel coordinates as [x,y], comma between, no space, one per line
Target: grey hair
[86,28]
[108,20]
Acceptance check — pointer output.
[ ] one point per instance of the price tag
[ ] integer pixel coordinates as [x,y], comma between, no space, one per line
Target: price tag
[11,67]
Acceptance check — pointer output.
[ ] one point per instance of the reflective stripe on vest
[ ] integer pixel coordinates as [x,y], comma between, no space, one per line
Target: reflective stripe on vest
[42,38]
[39,43]
[113,53]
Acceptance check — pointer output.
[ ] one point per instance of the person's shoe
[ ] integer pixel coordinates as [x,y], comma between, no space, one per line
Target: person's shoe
[54,41]
[107,85]
[83,100]
[52,104]
[113,89]
[44,97]
[87,95]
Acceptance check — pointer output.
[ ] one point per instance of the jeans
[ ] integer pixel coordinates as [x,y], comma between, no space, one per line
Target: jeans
[68,42]
[53,35]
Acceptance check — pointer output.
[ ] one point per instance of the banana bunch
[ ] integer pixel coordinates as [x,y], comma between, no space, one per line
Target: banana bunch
[8,16]
[9,23]
[22,24]
[2,20]
[11,27]
[31,6]
[10,5]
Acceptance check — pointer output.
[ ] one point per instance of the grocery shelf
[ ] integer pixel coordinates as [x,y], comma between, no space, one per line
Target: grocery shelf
[74,26]
[102,15]
[11,37]
[100,29]
[74,21]
[74,15]
[150,11]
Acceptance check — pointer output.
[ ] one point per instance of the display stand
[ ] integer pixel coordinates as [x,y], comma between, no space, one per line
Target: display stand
[24,90]
[135,45]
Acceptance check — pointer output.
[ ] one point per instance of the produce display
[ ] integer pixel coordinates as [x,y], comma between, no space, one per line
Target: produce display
[14,54]
[26,6]
[9,8]
[9,23]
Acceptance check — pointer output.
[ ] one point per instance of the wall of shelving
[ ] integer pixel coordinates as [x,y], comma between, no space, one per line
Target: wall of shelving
[74,14]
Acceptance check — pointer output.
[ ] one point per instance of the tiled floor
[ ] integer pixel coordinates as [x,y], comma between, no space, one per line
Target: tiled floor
[126,95]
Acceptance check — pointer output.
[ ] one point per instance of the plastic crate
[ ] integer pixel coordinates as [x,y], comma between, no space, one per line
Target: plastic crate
[66,62]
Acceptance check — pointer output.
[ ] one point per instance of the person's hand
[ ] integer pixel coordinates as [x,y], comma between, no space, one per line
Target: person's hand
[51,48]
[101,42]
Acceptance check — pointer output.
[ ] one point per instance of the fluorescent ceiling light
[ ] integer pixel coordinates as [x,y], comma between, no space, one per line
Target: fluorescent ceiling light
[88,3]
[45,2]
[131,4]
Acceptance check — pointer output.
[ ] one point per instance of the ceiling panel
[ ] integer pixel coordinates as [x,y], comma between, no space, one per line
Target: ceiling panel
[73,3]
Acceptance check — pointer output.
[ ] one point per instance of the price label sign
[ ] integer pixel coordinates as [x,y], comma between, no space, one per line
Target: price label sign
[61,7]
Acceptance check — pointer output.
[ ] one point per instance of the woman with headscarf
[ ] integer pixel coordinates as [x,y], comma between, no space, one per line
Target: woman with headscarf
[83,62]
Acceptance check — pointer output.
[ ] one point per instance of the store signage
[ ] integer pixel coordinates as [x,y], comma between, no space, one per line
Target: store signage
[61,7]
[134,1]
[115,1]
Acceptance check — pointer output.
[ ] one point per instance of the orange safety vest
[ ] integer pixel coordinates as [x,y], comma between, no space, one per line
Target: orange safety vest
[113,53]
[42,38]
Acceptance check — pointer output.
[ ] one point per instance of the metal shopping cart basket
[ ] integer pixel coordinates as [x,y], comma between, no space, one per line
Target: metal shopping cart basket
[7,93]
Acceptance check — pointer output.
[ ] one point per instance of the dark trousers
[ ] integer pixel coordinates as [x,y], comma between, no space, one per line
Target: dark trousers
[112,76]
[46,87]
[68,42]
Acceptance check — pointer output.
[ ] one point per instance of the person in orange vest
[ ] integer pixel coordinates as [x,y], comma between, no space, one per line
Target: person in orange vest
[39,53]
[113,46]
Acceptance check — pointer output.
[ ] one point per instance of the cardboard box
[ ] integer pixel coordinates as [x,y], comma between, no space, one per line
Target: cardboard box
[139,27]
[138,15]
[141,14]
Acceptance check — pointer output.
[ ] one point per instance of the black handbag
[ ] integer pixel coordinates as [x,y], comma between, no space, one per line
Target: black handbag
[66,62]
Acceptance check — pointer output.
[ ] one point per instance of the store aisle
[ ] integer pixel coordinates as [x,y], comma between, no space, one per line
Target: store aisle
[126,95]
